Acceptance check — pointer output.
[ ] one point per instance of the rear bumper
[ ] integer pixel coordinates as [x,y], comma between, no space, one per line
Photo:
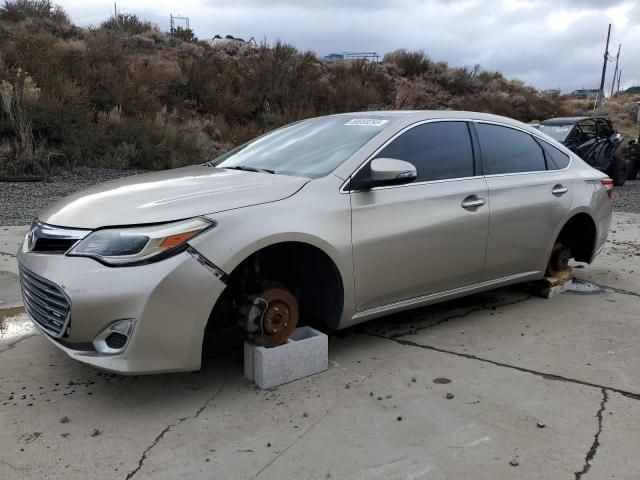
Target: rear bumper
[170,302]
[604,219]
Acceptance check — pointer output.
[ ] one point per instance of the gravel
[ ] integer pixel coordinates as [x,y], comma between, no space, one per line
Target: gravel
[21,201]
[627,197]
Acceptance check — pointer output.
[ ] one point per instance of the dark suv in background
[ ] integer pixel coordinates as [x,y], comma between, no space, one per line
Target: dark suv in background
[594,139]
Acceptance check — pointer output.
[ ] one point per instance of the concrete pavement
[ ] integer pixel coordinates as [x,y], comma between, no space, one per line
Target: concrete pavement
[500,385]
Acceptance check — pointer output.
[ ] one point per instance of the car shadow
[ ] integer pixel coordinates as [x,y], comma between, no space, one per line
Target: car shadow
[62,379]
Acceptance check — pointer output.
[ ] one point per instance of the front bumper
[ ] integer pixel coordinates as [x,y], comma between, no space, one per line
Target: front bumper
[169,300]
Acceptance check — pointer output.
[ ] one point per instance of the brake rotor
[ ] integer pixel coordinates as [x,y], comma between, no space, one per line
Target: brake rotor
[279,319]
[559,261]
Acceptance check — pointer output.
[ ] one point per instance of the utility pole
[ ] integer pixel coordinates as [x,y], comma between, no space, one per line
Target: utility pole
[619,75]
[615,71]
[173,20]
[604,71]
[115,10]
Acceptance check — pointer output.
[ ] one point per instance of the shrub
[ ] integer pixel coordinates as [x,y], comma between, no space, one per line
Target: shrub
[184,34]
[18,10]
[128,23]
[130,96]
[411,64]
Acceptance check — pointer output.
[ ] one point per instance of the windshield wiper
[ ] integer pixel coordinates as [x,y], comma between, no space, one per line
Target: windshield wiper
[244,168]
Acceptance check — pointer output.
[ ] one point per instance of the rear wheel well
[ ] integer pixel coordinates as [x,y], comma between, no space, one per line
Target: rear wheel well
[579,234]
[308,272]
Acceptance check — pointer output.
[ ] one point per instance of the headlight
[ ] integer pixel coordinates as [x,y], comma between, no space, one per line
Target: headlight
[125,246]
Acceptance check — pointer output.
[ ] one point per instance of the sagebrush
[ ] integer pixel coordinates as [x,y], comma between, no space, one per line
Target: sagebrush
[128,95]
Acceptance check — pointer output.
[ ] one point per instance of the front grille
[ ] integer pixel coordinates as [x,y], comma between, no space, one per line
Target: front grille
[43,238]
[45,302]
[54,245]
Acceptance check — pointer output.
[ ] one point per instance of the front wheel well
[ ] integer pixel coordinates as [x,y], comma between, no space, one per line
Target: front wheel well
[579,234]
[307,271]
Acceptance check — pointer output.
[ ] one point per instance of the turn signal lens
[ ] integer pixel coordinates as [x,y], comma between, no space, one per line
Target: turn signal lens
[607,183]
[177,239]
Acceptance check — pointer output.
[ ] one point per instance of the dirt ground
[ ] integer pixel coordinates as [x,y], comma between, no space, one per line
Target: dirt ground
[500,385]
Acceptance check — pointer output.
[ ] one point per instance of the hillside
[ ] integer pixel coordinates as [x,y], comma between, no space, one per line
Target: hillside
[126,95]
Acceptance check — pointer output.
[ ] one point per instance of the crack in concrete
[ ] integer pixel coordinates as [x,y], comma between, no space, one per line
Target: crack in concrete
[270,462]
[463,315]
[596,438]
[621,291]
[545,375]
[5,254]
[13,467]
[13,344]
[168,428]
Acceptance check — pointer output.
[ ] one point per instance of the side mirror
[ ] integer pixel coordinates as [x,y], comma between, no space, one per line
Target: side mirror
[384,171]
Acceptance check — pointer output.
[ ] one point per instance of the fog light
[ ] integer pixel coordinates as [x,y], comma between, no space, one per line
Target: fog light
[114,339]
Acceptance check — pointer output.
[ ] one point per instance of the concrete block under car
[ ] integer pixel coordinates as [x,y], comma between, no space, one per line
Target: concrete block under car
[305,353]
[552,286]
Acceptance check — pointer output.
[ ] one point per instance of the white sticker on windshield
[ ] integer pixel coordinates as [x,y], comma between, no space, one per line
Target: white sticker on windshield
[366,122]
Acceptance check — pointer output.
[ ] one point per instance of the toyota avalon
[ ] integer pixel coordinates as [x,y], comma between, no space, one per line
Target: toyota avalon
[337,219]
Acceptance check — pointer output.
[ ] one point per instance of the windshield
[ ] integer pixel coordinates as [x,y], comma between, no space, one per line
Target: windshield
[557,132]
[310,148]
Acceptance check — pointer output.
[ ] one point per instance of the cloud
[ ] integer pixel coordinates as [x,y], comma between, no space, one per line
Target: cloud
[546,43]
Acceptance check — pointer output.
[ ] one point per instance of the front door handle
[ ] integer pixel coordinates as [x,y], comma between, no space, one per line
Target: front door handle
[559,190]
[473,202]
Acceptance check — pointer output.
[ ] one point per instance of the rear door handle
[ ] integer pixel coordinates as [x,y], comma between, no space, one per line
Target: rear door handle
[559,190]
[472,202]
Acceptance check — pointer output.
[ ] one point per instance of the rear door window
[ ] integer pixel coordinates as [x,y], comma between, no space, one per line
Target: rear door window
[438,150]
[556,159]
[506,150]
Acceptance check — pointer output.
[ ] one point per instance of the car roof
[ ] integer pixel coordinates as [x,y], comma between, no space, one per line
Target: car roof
[418,115]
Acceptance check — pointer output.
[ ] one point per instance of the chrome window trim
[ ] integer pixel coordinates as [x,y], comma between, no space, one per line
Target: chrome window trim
[343,187]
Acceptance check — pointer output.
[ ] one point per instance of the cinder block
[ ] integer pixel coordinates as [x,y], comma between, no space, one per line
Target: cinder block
[550,287]
[305,353]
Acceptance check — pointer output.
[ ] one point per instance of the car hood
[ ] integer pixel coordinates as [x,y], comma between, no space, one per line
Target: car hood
[168,195]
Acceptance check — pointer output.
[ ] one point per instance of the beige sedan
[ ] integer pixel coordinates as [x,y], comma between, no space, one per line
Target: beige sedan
[336,219]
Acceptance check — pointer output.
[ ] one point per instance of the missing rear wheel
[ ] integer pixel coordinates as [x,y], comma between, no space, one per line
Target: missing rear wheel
[559,261]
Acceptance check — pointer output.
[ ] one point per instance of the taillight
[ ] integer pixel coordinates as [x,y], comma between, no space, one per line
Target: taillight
[607,183]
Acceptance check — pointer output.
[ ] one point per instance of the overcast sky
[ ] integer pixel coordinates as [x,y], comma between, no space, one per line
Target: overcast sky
[546,43]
